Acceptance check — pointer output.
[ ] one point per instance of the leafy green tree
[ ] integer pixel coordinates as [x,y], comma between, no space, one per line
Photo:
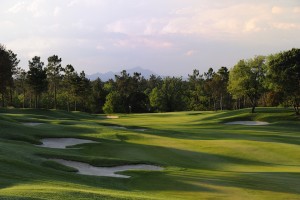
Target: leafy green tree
[37,77]
[14,63]
[113,103]
[210,88]
[21,84]
[138,102]
[69,85]
[218,86]
[83,90]
[131,90]
[155,98]
[197,98]
[246,78]
[8,64]
[98,95]
[54,73]
[283,74]
[171,95]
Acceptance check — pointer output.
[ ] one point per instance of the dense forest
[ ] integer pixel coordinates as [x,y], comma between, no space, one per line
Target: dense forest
[260,81]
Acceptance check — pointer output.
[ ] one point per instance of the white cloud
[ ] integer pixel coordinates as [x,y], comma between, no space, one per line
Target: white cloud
[82,24]
[100,47]
[36,8]
[17,7]
[286,26]
[56,11]
[72,3]
[7,24]
[137,42]
[232,21]
[131,26]
[35,46]
[296,10]
[277,10]
[251,26]
[190,52]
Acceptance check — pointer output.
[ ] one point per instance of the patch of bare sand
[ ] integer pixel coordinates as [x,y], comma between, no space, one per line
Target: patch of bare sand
[248,123]
[62,143]
[112,117]
[109,117]
[87,169]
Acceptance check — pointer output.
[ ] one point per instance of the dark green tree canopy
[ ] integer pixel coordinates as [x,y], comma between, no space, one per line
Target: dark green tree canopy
[246,78]
[283,74]
[37,77]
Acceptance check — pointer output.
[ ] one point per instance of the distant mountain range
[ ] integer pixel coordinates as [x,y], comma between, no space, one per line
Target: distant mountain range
[111,75]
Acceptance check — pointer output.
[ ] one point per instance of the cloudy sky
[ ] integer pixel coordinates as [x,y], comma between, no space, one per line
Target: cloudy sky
[169,37]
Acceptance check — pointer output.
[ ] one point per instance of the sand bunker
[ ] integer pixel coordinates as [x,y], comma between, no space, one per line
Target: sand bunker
[112,117]
[109,117]
[62,143]
[32,123]
[87,169]
[249,123]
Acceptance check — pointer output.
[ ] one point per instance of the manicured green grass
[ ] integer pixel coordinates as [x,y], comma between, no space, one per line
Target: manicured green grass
[203,157]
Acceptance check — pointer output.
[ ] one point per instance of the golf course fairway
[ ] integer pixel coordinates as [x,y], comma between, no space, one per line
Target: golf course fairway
[203,155]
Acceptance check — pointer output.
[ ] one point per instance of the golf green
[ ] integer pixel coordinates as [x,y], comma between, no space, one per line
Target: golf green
[204,155]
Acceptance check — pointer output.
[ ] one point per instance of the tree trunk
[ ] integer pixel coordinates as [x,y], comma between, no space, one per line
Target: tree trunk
[297,111]
[23,98]
[221,102]
[55,102]
[36,101]
[215,106]
[10,96]
[68,106]
[253,109]
[2,100]
[75,105]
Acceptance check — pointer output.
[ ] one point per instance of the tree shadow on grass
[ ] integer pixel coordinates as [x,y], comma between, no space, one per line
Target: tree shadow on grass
[182,176]
[264,181]
[217,131]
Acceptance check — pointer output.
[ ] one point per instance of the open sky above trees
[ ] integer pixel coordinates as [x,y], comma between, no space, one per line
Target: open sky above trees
[170,37]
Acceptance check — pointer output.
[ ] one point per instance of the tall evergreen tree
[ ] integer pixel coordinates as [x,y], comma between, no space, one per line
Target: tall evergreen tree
[54,74]
[8,64]
[37,77]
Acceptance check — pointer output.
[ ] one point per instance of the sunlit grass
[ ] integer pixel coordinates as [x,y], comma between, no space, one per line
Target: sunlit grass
[203,157]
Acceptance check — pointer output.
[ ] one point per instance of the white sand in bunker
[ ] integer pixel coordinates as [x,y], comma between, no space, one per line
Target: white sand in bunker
[87,169]
[32,123]
[112,117]
[248,123]
[109,117]
[62,143]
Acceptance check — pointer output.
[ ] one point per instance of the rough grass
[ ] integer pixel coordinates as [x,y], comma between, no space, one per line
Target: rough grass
[203,157]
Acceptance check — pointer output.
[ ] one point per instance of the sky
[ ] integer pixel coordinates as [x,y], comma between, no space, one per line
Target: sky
[169,37]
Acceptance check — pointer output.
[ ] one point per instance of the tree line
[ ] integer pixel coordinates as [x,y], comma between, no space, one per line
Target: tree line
[260,81]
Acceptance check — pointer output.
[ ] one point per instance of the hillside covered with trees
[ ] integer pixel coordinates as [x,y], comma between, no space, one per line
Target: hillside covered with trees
[260,81]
